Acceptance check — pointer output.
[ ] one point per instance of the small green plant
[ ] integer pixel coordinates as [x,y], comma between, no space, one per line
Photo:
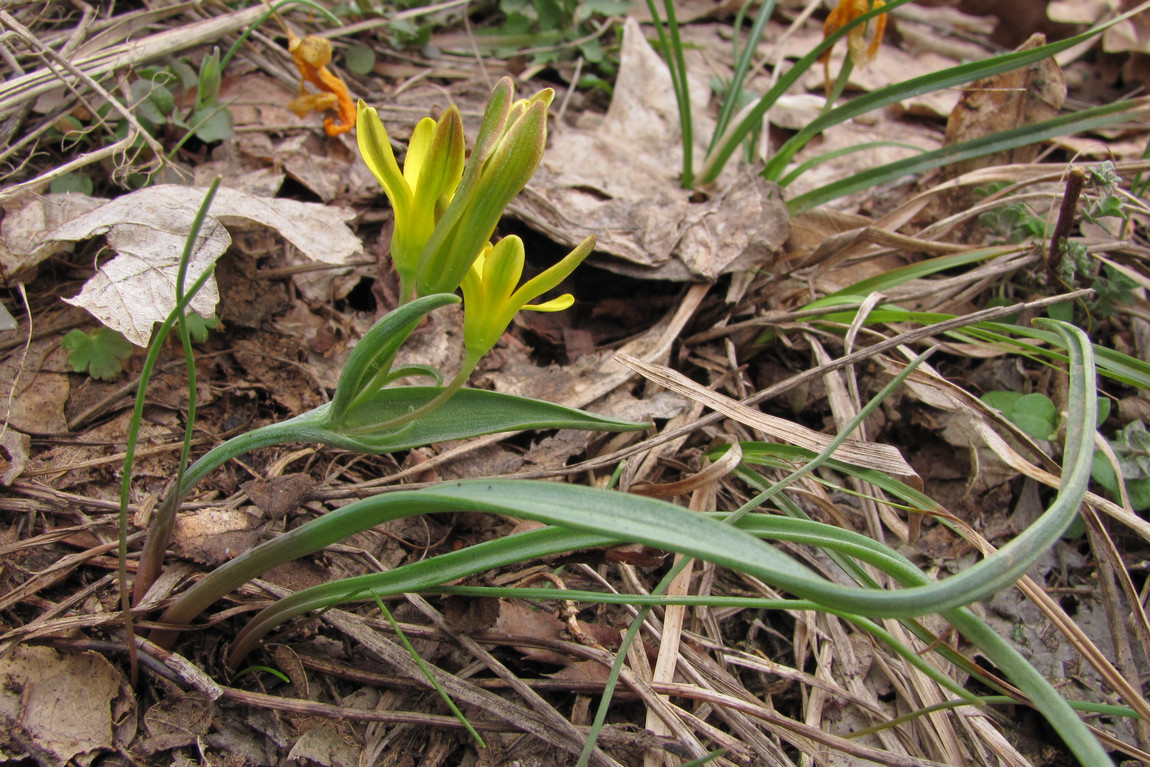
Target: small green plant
[1012,222]
[175,96]
[100,353]
[557,29]
[1034,413]
[198,326]
[446,210]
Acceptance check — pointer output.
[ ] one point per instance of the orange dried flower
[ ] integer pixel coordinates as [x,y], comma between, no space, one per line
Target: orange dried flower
[844,13]
[312,55]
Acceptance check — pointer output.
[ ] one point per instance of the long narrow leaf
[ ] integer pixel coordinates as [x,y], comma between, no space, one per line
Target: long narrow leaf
[936,81]
[730,139]
[1064,125]
[669,527]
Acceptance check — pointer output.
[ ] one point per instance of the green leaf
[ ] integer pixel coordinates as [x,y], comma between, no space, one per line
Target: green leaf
[212,122]
[209,80]
[101,353]
[1036,415]
[359,59]
[1137,489]
[1002,401]
[468,413]
[185,75]
[76,183]
[369,362]
[1075,122]
[1063,311]
[146,110]
[1103,409]
[198,326]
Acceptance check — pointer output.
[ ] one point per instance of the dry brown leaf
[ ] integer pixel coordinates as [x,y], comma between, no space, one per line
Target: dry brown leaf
[59,708]
[620,181]
[214,536]
[324,745]
[32,395]
[1080,11]
[277,496]
[1002,102]
[177,721]
[14,447]
[26,221]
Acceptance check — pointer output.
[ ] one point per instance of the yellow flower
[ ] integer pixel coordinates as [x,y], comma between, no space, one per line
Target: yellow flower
[490,297]
[420,193]
[844,13]
[506,153]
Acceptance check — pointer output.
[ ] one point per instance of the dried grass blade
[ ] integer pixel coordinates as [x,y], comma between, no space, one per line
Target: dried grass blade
[868,455]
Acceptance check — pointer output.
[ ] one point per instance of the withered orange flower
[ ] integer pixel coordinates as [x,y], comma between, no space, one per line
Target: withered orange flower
[312,55]
[844,13]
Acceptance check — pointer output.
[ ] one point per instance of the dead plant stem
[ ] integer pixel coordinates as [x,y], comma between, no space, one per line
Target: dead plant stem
[1075,179]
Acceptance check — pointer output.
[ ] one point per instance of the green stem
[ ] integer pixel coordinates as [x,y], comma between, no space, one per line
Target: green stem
[164,521]
[446,393]
[138,410]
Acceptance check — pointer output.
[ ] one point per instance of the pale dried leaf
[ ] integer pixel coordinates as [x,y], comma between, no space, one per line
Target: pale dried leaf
[866,454]
[323,745]
[148,230]
[620,181]
[24,240]
[213,536]
[1080,11]
[14,447]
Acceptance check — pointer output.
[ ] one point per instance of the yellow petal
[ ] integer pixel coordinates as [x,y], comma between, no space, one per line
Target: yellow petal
[564,301]
[375,148]
[417,150]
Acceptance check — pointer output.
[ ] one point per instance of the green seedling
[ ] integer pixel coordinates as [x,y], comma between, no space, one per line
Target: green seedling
[198,326]
[555,30]
[1011,222]
[74,183]
[100,353]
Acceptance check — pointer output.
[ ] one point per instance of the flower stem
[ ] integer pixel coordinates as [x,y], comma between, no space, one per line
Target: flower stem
[446,393]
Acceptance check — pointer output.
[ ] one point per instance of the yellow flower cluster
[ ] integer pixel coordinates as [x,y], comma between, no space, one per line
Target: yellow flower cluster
[446,209]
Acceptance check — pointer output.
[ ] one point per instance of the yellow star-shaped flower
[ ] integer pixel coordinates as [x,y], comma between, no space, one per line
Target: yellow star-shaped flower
[491,298]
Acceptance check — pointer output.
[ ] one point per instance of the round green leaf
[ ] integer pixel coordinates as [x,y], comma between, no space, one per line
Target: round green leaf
[359,59]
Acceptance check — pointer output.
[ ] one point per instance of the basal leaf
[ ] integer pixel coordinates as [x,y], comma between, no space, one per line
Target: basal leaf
[469,413]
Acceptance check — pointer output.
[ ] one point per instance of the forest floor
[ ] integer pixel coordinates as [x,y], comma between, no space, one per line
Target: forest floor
[715,285]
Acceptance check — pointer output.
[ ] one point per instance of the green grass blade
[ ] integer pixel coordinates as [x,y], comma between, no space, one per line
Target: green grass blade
[730,139]
[936,81]
[672,46]
[1089,119]
[866,146]
[160,530]
[742,67]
